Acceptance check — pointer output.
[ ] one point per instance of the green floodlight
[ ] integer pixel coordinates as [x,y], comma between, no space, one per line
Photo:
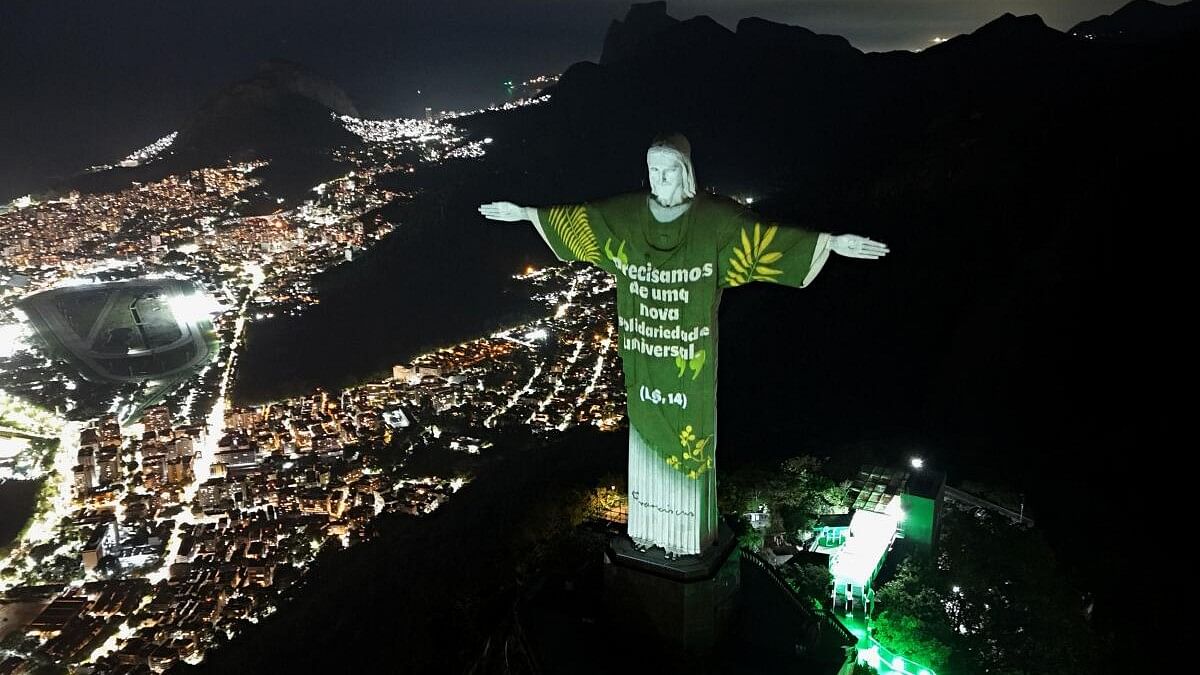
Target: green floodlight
[898,664]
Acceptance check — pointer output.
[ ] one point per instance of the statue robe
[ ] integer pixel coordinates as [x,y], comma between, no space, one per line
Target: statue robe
[670,276]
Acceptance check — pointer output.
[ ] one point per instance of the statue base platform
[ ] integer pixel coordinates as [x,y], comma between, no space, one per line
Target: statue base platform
[686,603]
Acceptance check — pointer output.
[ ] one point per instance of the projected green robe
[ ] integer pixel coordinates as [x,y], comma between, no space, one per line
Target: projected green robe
[670,276]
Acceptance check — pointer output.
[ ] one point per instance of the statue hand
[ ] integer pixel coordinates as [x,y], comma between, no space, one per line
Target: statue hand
[505,211]
[854,246]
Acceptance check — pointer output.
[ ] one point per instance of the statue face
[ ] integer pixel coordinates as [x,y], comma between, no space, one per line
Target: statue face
[666,178]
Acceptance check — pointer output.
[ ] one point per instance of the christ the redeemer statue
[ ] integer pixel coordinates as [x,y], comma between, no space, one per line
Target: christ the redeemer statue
[673,252]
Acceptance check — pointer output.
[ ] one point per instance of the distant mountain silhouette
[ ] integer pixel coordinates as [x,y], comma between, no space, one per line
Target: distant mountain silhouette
[643,21]
[1006,34]
[282,107]
[689,44]
[284,113]
[1142,20]
[787,40]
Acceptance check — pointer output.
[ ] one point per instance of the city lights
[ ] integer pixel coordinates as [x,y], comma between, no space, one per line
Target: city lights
[150,151]
[193,308]
[13,338]
[162,462]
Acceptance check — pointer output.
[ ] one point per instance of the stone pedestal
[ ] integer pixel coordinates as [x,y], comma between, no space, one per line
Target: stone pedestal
[686,603]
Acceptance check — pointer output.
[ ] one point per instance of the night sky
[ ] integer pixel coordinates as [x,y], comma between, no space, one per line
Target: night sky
[87,82]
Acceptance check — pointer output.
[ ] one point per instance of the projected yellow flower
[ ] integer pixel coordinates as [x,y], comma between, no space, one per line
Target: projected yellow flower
[693,462]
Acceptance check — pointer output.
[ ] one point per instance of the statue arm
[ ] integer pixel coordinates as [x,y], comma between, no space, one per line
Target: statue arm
[820,255]
[511,213]
[757,250]
[854,246]
[572,231]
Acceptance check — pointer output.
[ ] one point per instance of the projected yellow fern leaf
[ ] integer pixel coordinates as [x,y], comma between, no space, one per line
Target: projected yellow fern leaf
[749,261]
[571,225]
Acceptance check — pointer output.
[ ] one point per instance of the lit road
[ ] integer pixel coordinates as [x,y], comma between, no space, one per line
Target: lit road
[514,398]
[201,469]
[605,344]
[202,465]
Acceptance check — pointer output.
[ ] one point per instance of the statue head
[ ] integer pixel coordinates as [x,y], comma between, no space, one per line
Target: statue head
[669,162]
